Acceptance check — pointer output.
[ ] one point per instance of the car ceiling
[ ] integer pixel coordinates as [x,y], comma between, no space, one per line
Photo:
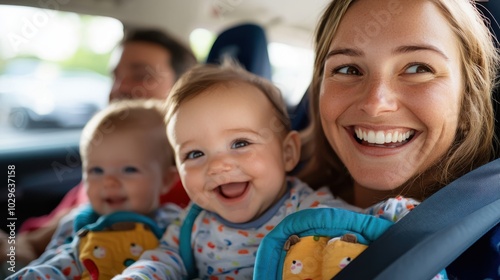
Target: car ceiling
[293,24]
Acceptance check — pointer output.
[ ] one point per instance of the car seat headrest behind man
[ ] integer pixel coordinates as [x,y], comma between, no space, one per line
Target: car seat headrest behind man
[247,44]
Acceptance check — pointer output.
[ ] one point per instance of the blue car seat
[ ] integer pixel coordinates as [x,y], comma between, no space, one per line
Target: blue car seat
[299,114]
[247,44]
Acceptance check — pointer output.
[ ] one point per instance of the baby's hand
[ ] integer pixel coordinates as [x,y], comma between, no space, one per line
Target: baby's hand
[16,248]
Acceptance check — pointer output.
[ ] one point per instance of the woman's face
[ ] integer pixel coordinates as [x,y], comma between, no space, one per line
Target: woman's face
[391,90]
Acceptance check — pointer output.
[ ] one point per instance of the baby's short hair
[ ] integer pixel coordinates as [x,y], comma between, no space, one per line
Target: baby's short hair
[201,78]
[127,115]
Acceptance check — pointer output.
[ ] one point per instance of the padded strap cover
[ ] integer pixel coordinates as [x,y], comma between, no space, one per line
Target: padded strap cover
[185,250]
[329,222]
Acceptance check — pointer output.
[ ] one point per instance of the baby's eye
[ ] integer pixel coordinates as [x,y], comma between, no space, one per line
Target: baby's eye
[347,70]
[239,144]
[193,155]
[96,170]
[130,169]
[418,68]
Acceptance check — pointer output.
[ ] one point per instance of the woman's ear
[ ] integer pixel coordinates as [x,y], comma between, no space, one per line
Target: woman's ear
[170,177]
[291,150]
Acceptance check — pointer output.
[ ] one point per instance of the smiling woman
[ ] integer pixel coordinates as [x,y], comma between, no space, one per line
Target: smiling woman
[389,92]
[408,79]
[424,70]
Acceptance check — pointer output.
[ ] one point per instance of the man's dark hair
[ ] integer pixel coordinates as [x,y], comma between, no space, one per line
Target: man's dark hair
[182,58]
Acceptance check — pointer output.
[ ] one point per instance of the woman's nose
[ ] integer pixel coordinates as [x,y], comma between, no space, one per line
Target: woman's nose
[379,98]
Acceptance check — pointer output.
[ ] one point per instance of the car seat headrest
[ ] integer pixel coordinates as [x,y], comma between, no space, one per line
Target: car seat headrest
[247,44]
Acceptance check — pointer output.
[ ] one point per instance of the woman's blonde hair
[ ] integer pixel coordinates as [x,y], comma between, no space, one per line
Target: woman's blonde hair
[146,115]
[201,78]
[473,144]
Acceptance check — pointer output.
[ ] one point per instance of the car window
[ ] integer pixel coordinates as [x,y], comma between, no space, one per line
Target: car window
[53,73]
[292,76]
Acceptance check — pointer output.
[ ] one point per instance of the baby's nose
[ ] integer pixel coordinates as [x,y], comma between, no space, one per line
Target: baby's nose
[111,181]
[220,164]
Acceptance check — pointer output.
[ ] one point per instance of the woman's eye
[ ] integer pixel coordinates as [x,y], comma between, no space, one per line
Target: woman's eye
[95,170]
[130,169]
[347,70]
[418,68]
[239,144]
[193,155]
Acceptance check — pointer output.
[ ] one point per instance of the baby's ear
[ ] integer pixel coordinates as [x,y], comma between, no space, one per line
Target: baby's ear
[291,150]
[170,177]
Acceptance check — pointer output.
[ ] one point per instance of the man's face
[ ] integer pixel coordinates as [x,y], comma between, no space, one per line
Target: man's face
[143,71]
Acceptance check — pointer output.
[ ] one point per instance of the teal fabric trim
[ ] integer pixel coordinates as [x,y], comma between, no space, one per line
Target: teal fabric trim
[124,216]
[85,217]
[185,242]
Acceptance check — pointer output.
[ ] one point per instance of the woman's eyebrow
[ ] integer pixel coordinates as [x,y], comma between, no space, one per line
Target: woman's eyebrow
[401,49]
[344,51]
[422,47]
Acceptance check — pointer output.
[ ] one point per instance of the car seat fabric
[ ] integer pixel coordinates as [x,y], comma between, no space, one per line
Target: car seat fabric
[75,197]
[247,44]
[177,194]
[299,115]
[329,222]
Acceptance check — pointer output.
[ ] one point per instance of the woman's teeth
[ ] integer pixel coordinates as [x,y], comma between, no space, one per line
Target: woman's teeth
[383,137]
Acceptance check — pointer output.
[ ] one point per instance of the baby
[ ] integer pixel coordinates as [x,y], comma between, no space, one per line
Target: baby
[127,165]
[233,149]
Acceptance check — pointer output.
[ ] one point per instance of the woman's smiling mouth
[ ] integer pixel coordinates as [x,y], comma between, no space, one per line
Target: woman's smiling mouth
[383,138]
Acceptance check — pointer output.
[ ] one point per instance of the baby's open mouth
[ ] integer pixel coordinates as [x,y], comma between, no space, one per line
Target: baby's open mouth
[387,139]
[232,190]
[115,200]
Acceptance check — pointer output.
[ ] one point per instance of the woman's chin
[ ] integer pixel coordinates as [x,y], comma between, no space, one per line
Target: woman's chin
[380,181]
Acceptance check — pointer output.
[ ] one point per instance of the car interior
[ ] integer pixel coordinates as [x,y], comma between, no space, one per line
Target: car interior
[255,33]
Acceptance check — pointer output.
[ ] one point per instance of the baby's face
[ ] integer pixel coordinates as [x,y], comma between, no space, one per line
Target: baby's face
[231,151]
[123,173]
